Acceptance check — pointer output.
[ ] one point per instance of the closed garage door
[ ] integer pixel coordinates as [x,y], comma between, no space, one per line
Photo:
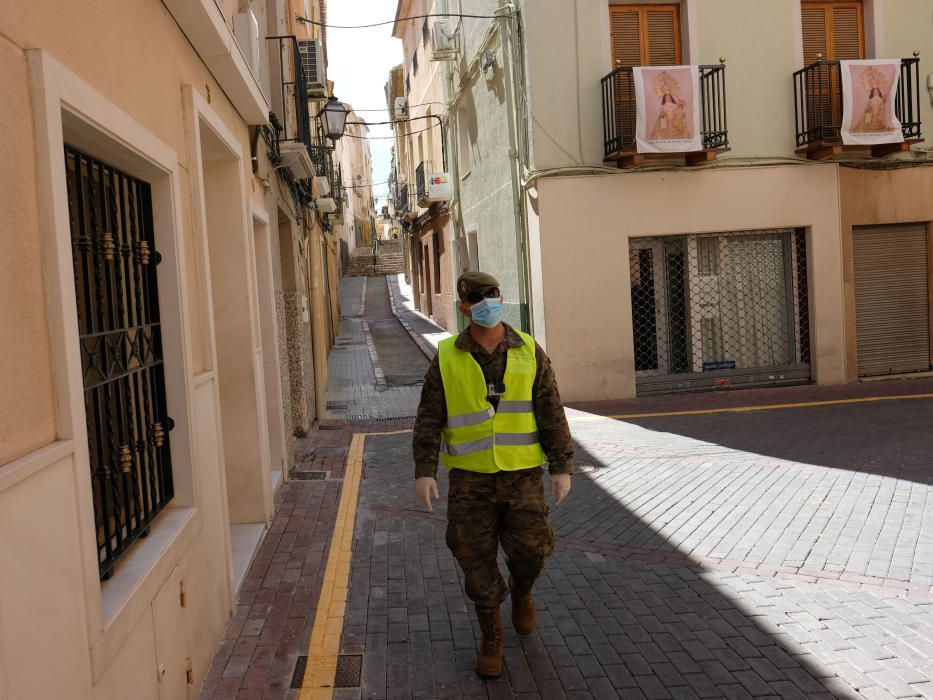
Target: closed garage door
[892,301]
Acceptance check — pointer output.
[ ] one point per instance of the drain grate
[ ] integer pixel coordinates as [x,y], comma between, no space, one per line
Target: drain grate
[358,416]
[392,418]
[349,671]
[299,674]
[336,406]
[309,475]
[329,426]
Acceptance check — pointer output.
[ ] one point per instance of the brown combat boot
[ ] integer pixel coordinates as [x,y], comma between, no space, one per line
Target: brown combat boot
[523,609]
[489,658]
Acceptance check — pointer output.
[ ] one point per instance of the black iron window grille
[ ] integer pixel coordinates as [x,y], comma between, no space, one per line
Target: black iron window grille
[720,309]
[421,184]
[619,110]
[120,336]
[401,203]
[818,103]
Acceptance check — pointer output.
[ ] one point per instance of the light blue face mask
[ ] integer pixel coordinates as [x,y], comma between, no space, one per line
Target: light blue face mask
[487,313]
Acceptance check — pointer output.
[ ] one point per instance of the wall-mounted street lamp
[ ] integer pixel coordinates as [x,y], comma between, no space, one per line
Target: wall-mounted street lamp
[333,116]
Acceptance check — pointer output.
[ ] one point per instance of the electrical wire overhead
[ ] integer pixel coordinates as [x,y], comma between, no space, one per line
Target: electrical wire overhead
[374,138]
[392,109]
[461,16]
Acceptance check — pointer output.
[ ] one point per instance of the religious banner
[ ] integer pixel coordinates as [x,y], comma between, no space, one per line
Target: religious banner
[668,109]
[869,89]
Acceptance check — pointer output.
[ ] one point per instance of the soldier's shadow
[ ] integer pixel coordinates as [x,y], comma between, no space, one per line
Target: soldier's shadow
[612,621]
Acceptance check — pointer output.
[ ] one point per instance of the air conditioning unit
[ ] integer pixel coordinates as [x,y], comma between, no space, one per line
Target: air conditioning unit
[401,107]
[326,205]
[312,60]
[443,42]
[246,33]
[323,186]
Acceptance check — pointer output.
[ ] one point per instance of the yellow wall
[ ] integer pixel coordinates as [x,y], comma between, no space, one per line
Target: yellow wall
[26,409]
[133,53]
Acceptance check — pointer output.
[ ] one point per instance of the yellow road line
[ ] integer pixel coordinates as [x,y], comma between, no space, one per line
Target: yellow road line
[324,648]
[768,407]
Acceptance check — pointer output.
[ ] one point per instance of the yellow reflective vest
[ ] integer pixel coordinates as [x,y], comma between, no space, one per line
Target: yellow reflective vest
[478,438]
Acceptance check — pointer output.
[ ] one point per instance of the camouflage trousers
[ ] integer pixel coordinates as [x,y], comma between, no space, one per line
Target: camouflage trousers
[486,510]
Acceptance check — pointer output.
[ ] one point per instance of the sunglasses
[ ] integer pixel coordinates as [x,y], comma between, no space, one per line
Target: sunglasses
[477,295]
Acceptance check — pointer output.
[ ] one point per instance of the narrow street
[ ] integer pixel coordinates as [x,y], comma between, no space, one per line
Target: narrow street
[696,557]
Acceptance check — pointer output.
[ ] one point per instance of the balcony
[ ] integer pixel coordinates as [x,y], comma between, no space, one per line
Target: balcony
[818,109]
[290,116]
[619,116]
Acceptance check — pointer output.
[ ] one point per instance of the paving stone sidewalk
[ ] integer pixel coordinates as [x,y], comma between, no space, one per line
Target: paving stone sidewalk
[643,618]
[685,567]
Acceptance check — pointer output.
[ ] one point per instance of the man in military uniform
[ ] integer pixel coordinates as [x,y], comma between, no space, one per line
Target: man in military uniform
[491,411]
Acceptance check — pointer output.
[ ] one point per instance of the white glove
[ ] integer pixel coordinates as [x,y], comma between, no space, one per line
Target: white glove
[560,487]
[426,489]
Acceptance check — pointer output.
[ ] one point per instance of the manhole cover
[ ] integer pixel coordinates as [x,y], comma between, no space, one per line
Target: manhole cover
[309,476]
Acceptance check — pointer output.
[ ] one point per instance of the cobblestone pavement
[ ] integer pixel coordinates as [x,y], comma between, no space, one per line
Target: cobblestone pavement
[774,554]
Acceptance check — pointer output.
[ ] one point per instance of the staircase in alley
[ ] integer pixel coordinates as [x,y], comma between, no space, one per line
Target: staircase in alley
[388,261]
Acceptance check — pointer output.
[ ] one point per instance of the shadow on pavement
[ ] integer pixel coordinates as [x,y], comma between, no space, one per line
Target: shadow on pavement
[609,625]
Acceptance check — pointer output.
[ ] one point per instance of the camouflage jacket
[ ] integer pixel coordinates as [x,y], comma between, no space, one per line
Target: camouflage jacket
[553,431]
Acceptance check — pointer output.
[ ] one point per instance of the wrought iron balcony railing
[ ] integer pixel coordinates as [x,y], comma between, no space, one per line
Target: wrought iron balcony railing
[619,113]
[290,107]
[818,106]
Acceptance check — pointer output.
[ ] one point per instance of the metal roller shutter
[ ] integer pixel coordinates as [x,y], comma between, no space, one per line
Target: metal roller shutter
[892,302]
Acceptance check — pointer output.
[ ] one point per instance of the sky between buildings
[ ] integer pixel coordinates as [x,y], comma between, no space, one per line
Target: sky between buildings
[359,61]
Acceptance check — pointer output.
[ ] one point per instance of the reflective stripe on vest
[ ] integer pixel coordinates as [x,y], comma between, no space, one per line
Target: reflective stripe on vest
[476,437]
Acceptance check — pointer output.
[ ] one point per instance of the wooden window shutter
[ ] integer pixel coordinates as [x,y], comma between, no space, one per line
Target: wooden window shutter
[625,29]
[847,32]
[645,35]
[814,33]
[833,29]
[663,36]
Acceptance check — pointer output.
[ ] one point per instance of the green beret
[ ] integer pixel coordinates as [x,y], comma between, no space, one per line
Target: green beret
[469,281]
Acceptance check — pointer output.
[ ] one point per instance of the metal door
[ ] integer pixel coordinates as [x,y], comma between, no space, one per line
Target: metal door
[892,302]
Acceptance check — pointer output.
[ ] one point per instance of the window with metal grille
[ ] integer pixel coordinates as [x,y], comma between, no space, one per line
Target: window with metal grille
[414,62]
[425,32]
[716,308]
[120,339]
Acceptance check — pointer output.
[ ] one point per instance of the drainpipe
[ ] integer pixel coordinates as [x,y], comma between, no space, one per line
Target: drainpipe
[453,163]
[320,339]
[505,12]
